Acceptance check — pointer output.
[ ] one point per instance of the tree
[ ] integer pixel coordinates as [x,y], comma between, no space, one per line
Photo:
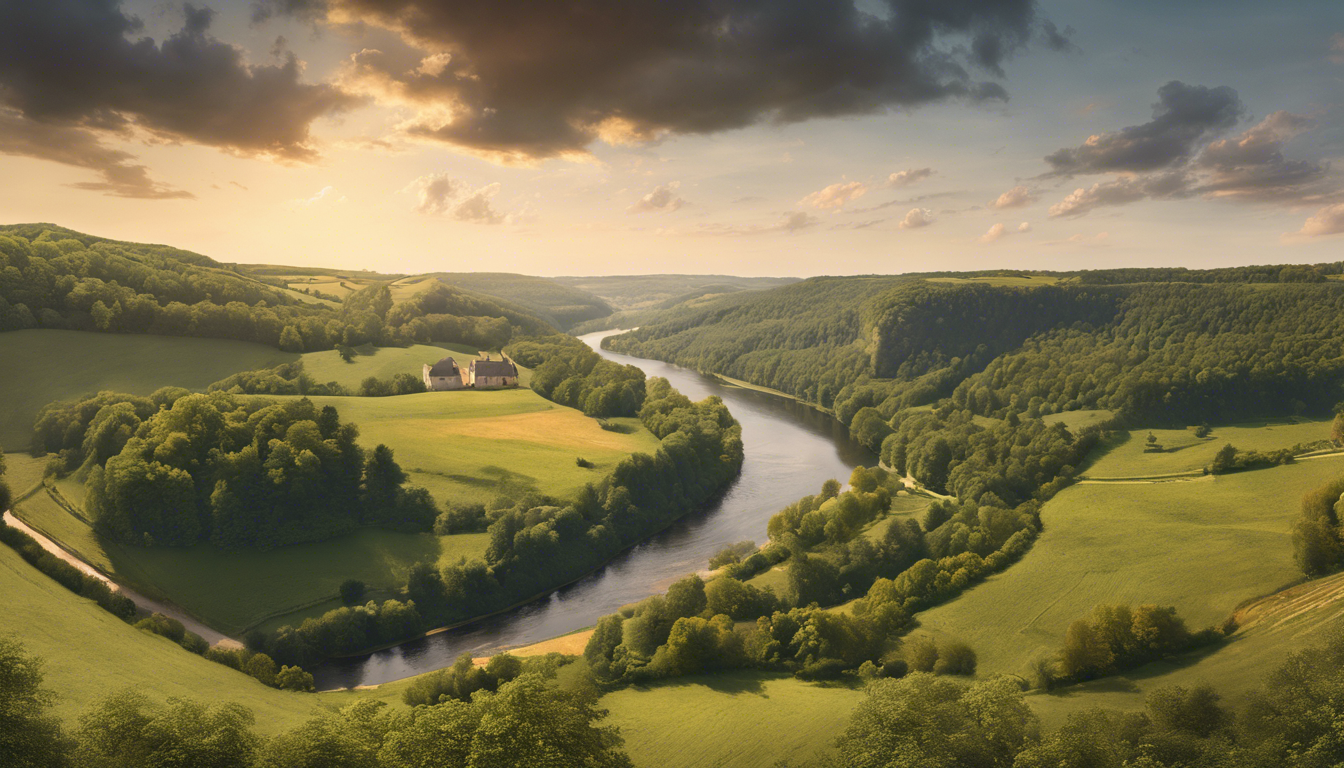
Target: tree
[126,730]
[382,478]
[30,736]
[921,721]
[560,728]
[293,679]
[352,591]
[290,340]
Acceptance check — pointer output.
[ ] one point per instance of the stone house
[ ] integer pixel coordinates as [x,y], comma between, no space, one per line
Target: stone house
[485,372]
[443,375]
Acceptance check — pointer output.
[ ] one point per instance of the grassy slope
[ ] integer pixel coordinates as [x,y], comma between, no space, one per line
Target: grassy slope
[386,362]
[89,654]
[44,366]
[1187,453]
[471,446]
[1204,546]
[730,720]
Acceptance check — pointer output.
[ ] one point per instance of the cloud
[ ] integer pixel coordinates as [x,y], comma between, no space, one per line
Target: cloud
[998,231]
[1084,200]
[789,223]
[1327,221]
[439,195]
[1337,48]
[74,65]
[1182,117]
[1017,197]
[518,81]
[80,148]
[835,195]
[907,177]
[663,198]
[327,195]
[995,232]
[1248,167]
[916,218]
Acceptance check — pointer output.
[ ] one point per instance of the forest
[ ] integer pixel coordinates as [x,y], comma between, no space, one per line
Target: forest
[53,278]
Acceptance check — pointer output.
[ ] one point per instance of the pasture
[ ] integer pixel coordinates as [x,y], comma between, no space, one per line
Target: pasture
[730,720]
[470,446]
[386,362]
[235,591]
[1204,546]
[89,654]
[1183,452]
[45,366]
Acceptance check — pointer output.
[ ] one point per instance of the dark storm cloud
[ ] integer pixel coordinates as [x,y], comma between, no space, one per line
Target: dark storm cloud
[74,64]
[1176,156]
[524,79]
[1184,116]
[80,148]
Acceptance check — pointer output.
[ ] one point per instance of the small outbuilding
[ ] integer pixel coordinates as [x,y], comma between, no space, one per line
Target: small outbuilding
[485,372]
[443,375]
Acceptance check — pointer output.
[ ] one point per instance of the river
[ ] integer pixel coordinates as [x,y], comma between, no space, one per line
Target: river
[790,450]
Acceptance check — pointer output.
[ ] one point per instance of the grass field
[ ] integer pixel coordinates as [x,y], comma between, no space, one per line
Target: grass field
[1204,546]
[1187,453]
[1076,420]
[44,366]
[232,591]
[89,654]
[386,362]
[472,446]
[730,720]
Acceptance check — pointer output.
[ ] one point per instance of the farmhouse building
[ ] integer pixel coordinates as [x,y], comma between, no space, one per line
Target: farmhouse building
[492,373]
[443,375]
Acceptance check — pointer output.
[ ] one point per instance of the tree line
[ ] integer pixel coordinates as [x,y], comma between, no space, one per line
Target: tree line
[567,372]
[920,720]
[128,729]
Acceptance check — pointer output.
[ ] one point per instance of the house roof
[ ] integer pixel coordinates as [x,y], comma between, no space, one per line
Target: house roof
[445,367]
[493,368]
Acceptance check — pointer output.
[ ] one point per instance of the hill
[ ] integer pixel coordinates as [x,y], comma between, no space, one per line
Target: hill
[564,306]
[625,292]
[51,365]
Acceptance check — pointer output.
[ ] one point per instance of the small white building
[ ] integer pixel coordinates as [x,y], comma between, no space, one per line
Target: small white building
[443,375]
[492,373]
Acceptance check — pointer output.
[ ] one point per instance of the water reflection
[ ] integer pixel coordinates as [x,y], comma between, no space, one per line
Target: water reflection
[790,450]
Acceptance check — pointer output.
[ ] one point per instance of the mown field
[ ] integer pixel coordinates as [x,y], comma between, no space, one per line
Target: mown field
[1204,546]
[1183,452]
[730,720]
[43,366]
[89,654]
[470,446]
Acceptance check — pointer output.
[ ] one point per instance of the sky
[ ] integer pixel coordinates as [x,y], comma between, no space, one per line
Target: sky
[748,137]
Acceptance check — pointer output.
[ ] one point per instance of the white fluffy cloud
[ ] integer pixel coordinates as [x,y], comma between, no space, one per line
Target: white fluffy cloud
[1017,197]
[1084,200]
[1024,226]
[996,232]
[662,199]
[836,195]
[909,176]
[438,194]
[1327,221]
[916,218]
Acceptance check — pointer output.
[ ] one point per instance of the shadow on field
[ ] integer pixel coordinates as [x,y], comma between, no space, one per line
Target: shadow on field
[723,683]
[1129,681]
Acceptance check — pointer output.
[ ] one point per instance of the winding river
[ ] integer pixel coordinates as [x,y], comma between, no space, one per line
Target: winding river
[790,450]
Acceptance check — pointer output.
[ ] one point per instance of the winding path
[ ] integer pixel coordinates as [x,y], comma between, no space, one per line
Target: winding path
[211,636]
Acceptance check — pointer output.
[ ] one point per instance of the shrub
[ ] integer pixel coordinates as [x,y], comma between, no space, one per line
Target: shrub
[352,591]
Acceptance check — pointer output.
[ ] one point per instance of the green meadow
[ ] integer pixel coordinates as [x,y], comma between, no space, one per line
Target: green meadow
[470,446]
[1204,546]
[45,366]
[1183,452]
[730,720]
[386,362]
[89,653]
